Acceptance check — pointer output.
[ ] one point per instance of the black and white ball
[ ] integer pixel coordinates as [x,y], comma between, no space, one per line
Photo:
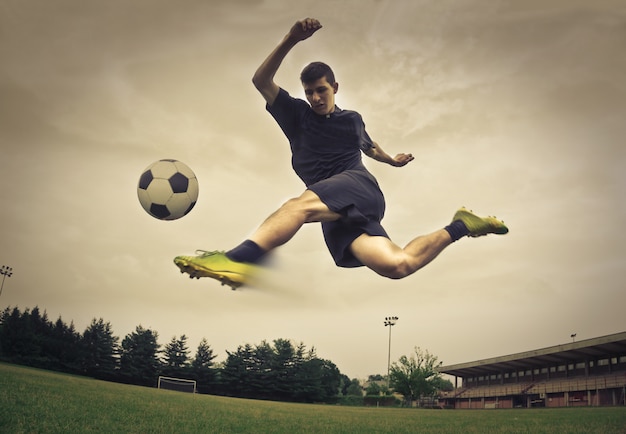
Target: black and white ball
[167,189]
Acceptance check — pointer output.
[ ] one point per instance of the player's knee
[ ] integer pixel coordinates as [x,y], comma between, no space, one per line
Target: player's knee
[395,268]
[399,272]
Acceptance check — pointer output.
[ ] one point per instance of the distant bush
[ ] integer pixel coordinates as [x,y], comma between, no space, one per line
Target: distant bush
[350,400]
[381,401]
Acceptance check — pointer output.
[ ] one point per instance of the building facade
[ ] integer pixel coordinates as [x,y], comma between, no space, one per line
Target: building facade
[591,372]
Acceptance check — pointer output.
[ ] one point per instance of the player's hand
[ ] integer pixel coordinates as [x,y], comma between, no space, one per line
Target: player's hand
[304,29]
[402,160]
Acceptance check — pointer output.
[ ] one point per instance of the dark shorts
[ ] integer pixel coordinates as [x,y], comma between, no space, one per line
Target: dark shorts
[355,195]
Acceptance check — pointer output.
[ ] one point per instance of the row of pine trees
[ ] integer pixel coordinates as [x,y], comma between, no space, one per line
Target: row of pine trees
[278,371]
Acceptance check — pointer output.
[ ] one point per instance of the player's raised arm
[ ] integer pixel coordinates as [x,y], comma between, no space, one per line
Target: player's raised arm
[378,154]
[264,76]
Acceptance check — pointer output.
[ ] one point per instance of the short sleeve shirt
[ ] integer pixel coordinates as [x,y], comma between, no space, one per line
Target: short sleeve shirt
[326,155]
[321,146]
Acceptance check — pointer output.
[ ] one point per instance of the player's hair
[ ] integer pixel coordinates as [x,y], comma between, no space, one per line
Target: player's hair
[316,70]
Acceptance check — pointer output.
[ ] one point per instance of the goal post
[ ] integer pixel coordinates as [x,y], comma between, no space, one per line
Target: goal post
[177,384]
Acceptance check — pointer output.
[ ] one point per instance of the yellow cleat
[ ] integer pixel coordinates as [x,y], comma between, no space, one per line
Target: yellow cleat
[479,226]
[218,266]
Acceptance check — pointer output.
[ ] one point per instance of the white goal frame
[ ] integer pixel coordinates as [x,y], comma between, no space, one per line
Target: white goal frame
[177,384]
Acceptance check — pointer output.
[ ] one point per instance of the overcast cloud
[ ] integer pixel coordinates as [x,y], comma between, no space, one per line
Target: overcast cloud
[511,108]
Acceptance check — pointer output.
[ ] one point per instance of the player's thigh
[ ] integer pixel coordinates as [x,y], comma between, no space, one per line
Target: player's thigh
[316,210]
[379,254]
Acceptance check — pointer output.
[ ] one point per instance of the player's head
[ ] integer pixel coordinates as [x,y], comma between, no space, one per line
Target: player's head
[316,70]
[320,87]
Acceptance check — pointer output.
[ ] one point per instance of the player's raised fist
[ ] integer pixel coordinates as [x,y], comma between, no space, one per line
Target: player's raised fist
[304,29]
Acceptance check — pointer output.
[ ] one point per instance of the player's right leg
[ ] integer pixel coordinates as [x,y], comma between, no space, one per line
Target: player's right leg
[283,224]
[218,266]
[236,267]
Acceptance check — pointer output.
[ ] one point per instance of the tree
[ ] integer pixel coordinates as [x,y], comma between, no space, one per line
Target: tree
[100,349]
[62,347]
[354,388]
[139,362]
[284,365]
[30,338]
[202,367]
[374,389]
[443,384]
[236,373]
[4,318]
[375,377]
[330,381]
[20,341]
[279,372]
[345,383]
[415,376]
[204,356]
[175,357]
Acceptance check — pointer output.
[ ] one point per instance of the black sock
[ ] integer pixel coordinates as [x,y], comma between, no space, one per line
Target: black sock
[457,230]
[248,251]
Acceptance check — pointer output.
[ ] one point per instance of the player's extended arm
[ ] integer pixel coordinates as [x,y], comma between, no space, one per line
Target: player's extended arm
[378,154]
[264,76]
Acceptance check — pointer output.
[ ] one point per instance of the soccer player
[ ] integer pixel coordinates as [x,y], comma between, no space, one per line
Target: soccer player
[326,144]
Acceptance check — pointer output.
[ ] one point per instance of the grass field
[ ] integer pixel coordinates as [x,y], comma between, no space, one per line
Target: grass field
[39,401]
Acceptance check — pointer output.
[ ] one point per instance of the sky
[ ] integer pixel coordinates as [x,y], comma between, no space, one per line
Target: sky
[511,108]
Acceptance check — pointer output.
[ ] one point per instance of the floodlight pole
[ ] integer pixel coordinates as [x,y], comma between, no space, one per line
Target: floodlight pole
[390,321]
[6,272]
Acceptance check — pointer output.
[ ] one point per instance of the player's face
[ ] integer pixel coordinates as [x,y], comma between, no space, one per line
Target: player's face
[321,95]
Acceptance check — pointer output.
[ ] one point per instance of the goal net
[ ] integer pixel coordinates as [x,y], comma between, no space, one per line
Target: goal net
[178,384]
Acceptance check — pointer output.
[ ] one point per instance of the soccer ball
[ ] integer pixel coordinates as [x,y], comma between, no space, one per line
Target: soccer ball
[167,189]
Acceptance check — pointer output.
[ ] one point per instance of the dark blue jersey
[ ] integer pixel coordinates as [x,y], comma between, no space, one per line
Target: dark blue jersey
[326,155]
[321,146]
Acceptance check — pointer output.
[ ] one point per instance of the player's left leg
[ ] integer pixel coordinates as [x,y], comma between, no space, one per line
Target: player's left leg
[390,260]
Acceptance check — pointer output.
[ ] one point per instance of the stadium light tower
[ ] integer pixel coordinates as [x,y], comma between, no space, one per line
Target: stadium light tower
[6,272]
[390,321]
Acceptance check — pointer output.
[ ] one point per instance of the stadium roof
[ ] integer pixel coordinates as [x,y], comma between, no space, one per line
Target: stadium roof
[597,348]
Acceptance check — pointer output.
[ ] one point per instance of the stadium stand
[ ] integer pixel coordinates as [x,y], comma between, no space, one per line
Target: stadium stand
[590,372]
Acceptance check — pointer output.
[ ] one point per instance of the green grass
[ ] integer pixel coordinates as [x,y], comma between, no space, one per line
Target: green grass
[36,401]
